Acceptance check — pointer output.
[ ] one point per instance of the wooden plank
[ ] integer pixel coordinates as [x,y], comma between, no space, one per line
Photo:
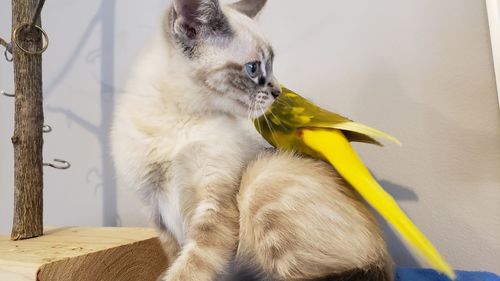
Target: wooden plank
[75,253]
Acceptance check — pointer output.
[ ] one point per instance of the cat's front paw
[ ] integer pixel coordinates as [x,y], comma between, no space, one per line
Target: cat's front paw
[184,275]
[162,276]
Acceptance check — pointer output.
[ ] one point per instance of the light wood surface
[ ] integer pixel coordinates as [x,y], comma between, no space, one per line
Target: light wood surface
[75,253]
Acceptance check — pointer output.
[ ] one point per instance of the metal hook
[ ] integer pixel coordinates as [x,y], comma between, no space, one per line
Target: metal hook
[8,50]
[47,129]
[65,163]
[7,94]
[6,54]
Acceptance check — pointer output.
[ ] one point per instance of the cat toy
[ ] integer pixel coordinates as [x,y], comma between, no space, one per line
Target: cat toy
[295,124]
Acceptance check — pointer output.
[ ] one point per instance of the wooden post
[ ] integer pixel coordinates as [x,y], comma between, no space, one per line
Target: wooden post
[27,139]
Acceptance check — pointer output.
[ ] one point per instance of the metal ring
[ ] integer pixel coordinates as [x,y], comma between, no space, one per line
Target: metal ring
[23,26]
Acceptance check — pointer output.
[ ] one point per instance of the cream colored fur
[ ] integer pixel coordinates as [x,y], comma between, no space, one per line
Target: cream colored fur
[299,220]
[186,150]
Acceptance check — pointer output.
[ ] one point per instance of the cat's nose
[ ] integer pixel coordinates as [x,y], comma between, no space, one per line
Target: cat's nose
[275,90]
[276,93]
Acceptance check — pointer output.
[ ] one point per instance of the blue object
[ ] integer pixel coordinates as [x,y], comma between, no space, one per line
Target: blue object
[414,274]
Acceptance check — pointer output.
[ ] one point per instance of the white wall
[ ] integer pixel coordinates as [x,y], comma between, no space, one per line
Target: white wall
[421,70]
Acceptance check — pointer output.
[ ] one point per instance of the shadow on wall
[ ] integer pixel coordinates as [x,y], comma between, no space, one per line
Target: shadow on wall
[105,16]
[398,249]
[442,152]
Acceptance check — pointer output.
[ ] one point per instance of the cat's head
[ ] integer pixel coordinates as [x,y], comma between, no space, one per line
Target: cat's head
[225,53]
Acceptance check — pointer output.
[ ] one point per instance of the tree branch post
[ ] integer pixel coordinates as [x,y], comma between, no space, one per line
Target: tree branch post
[27,138]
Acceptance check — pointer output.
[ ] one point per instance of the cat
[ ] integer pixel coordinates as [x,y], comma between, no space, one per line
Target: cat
[222,203]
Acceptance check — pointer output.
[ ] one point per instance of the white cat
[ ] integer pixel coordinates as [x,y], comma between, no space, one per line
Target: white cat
[182,137]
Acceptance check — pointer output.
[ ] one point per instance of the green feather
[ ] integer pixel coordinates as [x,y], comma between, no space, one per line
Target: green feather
[290,111]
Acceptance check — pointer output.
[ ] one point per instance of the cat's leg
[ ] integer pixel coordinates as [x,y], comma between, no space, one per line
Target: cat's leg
[170,247]
[169,244]
[300,221]
[209,180]
[210,248]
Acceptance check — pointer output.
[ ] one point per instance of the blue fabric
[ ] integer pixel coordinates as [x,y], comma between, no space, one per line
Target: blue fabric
[413,274]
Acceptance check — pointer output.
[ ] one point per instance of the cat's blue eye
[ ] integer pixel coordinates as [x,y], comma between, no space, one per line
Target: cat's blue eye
[253,69]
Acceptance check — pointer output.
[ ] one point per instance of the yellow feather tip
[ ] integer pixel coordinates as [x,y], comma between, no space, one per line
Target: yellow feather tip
[334,146]
[369,131]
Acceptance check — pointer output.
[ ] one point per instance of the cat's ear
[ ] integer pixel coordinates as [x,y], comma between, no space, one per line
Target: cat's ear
[194,18]
[249,7]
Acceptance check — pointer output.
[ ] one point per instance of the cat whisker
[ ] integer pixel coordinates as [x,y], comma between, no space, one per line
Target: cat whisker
[249,111]
[253,111]
[259,127]
[282,102]
[273,135]
[279,123]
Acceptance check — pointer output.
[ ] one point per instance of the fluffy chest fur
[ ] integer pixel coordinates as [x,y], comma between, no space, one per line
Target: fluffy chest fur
[202,153]
[167,142]
[188,152]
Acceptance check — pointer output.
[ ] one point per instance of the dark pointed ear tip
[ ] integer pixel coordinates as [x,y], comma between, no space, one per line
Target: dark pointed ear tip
[249,7]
